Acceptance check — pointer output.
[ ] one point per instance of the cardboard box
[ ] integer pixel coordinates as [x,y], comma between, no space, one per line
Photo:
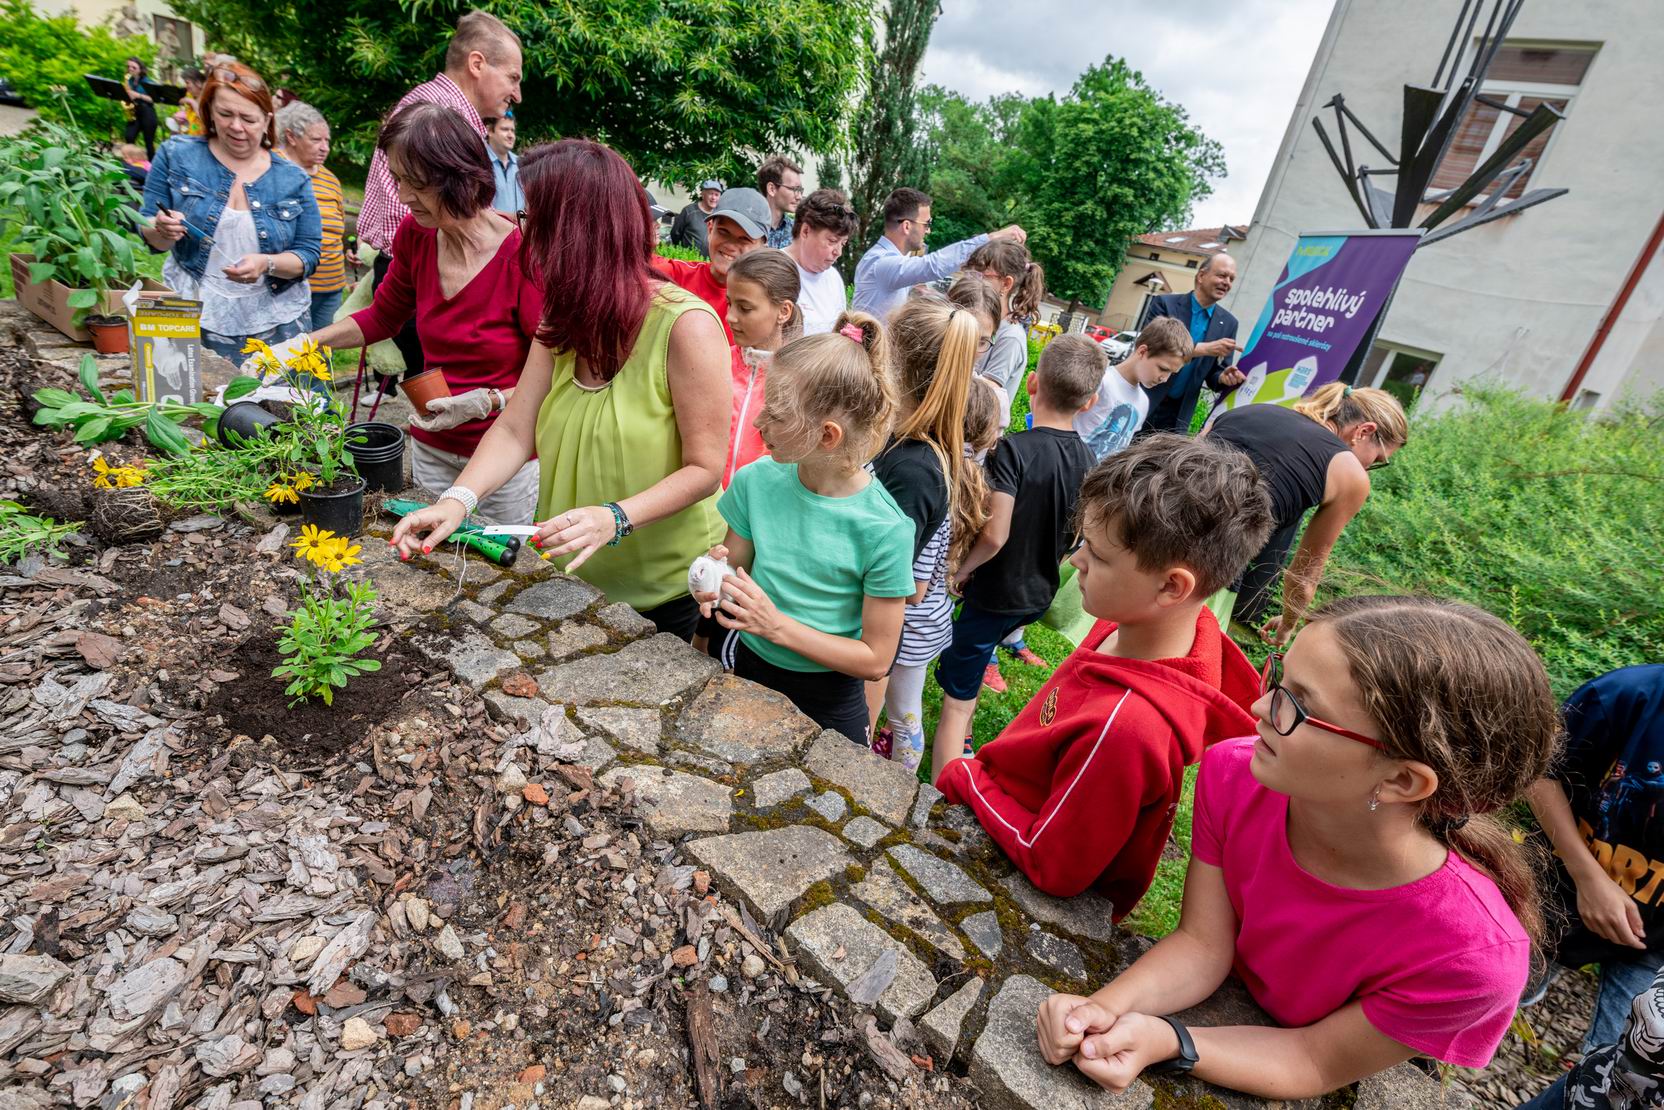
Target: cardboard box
[166,340]
[50,299]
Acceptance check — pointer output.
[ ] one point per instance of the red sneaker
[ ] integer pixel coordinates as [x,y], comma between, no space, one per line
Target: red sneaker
[992,679]
[883,741]
[1026,655]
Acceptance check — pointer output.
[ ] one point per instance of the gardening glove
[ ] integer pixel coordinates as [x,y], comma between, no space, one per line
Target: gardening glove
[448,412]
[280,351]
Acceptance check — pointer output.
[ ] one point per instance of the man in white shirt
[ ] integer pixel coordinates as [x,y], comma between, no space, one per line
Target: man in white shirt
[887,271]
[820,230]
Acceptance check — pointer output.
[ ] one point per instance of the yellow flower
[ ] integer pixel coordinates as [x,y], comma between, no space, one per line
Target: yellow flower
[302,481]
[278,493]
[256,347]
[340,554]
[125,477]
[312,540]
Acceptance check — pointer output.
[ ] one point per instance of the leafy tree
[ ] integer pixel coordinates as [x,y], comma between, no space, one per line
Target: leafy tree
[1110,161]
[40,54]
[883,152]
[965,148]
[683,88]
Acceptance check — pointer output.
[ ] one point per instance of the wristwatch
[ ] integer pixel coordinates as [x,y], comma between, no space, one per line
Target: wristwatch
[1185,1060]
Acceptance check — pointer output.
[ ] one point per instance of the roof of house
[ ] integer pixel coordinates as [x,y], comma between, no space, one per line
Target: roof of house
[1199,240]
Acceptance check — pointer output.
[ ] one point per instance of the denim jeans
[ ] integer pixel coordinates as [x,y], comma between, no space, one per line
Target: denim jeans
[231,346]
[1553,1097]
[324,306]
[1620,982]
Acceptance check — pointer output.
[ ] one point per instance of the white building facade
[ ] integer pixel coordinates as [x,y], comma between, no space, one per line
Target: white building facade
[1565,299]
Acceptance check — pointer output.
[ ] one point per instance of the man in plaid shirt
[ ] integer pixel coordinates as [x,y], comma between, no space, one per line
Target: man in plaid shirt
[481,78]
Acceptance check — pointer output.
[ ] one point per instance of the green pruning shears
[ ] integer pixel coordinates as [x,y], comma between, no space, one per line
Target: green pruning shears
[498,543]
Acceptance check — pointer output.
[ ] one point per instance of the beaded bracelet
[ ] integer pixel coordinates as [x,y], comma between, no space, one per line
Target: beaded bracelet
[465,496]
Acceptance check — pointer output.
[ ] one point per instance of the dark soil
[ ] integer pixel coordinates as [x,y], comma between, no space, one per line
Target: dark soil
[254,704]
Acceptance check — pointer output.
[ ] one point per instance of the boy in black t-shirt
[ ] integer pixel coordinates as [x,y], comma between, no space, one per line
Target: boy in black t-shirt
[1010,576]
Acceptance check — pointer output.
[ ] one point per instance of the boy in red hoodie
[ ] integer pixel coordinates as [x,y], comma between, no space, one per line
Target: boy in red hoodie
[1080,790]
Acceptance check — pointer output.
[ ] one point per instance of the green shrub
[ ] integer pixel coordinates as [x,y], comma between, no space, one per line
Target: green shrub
[686,254]
[39,54]
[1549,518]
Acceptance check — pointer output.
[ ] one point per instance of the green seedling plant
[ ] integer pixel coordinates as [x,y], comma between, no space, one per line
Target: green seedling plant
[313,441]
[23,533]
[70,207]
[332,627]
[100,419]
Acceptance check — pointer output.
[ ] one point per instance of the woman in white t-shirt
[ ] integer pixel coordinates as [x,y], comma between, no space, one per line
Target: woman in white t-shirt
[1121,406]
[823,224]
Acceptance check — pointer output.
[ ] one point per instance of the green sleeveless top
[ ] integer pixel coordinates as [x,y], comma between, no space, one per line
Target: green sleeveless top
[612,442]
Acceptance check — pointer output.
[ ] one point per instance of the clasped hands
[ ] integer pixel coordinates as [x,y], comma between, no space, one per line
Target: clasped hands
[740,603]
[1109,1049]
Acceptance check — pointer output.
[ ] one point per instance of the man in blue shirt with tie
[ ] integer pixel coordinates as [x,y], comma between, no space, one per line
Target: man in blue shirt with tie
[1213,330]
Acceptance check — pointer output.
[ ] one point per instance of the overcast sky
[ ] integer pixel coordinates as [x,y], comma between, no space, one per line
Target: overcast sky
[1237,67]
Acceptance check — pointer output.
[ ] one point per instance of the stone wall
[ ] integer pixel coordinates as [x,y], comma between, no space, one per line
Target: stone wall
[866,880]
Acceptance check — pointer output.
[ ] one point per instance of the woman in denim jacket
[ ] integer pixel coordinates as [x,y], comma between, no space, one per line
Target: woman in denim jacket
[240,223]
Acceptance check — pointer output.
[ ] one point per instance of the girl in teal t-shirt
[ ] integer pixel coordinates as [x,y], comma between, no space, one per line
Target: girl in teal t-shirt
[822,554]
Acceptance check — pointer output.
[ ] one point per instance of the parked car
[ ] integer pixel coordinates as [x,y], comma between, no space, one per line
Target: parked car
[1119,344]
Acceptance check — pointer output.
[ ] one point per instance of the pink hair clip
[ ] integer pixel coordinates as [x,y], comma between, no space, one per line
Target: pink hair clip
[853,331]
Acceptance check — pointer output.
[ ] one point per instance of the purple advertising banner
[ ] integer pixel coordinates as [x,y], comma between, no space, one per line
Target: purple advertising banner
[1324,305]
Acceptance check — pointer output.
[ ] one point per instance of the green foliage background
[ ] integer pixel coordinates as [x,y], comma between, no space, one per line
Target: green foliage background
[1083,174]
[39,54]
[1546,517]
[682,88]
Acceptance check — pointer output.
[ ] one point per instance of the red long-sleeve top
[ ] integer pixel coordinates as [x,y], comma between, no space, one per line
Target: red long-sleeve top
[1080,790]
[479,337]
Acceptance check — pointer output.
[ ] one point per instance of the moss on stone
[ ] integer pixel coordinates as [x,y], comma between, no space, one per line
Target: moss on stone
[818,895]
[1169,1097]
[855,873]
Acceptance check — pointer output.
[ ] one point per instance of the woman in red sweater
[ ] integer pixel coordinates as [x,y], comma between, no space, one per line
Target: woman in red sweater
[456,268]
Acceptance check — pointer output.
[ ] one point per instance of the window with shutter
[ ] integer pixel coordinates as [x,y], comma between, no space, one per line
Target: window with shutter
[1521,77]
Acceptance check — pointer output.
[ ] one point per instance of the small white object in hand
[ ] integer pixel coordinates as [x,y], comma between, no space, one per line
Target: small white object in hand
[706,574]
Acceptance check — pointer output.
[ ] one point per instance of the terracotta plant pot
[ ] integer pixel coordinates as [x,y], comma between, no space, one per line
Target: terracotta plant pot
[424,387]
[109,334]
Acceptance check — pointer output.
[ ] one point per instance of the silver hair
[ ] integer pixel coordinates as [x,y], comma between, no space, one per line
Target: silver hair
[296,118]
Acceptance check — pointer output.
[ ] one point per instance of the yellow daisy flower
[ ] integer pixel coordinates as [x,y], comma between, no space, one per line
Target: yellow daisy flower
[341,554]
[278,493]
[312,539]
[301,480]
[256,347]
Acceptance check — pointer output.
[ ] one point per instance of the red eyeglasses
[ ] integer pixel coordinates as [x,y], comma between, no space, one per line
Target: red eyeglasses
[1287,714]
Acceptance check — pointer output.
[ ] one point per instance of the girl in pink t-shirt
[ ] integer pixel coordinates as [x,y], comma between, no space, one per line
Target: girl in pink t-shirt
[1344,866]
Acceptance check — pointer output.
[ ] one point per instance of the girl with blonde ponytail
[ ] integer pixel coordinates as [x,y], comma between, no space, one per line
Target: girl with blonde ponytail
[820,552]
[1347,865]
[1317,454]
[933,346]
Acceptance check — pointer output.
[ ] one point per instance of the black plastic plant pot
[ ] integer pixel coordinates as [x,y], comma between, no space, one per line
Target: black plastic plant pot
[380,457]
[243,421]
[341,512]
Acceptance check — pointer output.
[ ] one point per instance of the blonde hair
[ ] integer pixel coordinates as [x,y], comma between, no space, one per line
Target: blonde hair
[835,377]
[983,417]
[934,360]
[1340,406]
[776,275]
